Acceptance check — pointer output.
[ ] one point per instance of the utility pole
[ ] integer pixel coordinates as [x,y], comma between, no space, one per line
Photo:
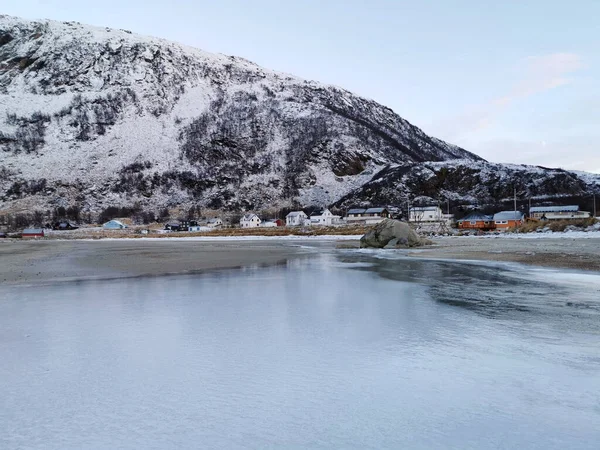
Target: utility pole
[448,209]
[529,209]
[594,205]
[515,200]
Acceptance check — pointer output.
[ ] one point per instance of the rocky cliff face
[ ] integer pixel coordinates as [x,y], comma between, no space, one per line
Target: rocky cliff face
[96,117]
[102,116]
[470,183]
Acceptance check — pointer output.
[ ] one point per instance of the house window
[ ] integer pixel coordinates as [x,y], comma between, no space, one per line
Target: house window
[473,222]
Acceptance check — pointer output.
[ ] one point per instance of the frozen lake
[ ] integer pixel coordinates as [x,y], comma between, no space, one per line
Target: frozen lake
[348,349]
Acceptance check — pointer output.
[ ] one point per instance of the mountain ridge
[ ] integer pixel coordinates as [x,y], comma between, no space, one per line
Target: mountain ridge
[100,117]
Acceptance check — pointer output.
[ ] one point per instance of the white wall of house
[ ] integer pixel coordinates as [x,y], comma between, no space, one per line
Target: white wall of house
[426,214]
[296,218]
[326,218]
[268,224]
[214,223]
[250,221]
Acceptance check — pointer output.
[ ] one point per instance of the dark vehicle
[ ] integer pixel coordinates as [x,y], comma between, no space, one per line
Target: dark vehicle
[64,226]
[2,234]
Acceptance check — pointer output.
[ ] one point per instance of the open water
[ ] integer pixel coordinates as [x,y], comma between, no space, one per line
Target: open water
[346,349]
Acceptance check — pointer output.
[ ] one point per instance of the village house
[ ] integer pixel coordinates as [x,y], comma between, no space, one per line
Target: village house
[296,218]
[355,215]
[476,221]
[508,219]
[324,218]
[250,221]
[32,233]
[215,222]
[369,216]
[426,214]
[566,212]
[173,225]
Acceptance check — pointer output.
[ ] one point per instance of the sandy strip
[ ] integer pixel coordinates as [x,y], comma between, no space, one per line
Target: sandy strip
[580,254]
[29,262]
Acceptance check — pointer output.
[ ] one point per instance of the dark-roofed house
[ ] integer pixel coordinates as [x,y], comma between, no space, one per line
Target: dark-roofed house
[32,233]
[476,221]
[355,215]
[508,219]
[565,212]
[369,216]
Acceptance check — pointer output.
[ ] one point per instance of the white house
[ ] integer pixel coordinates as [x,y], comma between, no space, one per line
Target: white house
[214,223]
[370,216]
[426,214]
[250,221]
[557,212]
[324,218]
[296,218]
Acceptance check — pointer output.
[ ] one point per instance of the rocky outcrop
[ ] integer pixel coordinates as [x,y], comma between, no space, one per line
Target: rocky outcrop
[392,234]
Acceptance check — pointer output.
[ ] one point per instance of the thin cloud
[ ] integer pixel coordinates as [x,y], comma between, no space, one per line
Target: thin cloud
[538,74]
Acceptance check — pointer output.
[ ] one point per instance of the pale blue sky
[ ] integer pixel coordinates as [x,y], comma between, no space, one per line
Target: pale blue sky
[512,80]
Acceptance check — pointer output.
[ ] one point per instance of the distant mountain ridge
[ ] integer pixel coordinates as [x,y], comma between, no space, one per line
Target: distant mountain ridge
[99,117]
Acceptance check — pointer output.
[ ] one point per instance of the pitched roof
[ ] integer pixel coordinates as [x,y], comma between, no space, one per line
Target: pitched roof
[33,231]
[477,216]
[356,211]
[509,215]
[249,217]
[425,208]
[296,213]
[214,220]
[549,209]
[375,210]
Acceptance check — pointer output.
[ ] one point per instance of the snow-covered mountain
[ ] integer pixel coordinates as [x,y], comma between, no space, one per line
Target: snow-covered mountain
[97,117]
[471,183]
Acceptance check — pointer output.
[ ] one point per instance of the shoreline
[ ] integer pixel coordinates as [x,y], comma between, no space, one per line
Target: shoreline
[42,262]
[545,252]
[49,261]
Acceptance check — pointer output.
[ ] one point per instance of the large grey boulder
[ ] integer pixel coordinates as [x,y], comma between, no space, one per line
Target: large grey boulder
[392,234]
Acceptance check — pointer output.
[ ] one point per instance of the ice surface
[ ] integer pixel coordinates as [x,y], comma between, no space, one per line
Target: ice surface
[341,351]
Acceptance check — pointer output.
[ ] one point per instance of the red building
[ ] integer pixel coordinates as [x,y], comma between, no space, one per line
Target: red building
[32,233]
[476,221]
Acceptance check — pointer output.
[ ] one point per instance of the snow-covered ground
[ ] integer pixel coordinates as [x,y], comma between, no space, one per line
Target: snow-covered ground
[545,235]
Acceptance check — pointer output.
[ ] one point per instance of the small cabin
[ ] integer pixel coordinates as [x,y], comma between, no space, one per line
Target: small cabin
[215,222]
[32,233]
[508,219]
[476,221]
